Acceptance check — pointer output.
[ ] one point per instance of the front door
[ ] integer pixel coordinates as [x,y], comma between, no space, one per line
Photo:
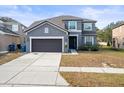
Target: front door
[72,42]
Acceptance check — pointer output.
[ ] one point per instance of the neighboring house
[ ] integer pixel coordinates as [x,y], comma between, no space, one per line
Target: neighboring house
[118,36]
[14,26]
[59,34]
[7,37]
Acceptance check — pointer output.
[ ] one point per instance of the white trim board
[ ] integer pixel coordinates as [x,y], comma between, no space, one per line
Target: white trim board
[74,30]
[47,37]
[3,33]
[77,38]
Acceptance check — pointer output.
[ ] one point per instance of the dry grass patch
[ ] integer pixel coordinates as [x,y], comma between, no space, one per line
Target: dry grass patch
[94,59]
[83,59]
[8,57]
[94,79]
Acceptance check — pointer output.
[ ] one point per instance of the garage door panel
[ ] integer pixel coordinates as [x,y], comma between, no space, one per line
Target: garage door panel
[46,45]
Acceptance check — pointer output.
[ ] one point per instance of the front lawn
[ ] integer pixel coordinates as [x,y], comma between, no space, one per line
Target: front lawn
[8,57]
[101,58]
[94,79]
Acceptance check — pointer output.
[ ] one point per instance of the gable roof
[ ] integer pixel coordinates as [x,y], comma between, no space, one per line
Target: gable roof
[4,30]
[49,24]
[8,19]
[59,21]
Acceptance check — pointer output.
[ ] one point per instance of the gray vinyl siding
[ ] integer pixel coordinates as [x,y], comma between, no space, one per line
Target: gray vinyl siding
[53,31]
[79,25]
[66,24]
[88,32]
[94,27]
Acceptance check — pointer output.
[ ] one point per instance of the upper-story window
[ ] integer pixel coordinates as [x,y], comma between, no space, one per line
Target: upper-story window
[15,27]
[72,25]
[88,27]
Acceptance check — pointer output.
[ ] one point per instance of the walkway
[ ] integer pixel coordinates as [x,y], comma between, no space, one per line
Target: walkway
[93,69]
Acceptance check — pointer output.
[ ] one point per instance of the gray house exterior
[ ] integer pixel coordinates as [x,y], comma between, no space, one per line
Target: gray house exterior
[60,34]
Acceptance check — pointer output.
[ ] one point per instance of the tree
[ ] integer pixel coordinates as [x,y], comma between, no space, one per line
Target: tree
[106,33]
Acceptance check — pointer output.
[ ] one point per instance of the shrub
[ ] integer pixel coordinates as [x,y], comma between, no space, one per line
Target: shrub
[95,48]
[90,47]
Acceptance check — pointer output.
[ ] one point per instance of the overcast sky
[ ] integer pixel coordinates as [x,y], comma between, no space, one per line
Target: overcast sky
[27,14]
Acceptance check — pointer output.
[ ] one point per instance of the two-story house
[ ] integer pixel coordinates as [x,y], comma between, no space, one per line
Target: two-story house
[59,34]
[118,36]
[14,26]
[7,37]
[11,31]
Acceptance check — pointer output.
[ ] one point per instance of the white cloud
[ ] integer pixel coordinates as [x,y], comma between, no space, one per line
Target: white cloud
[26,16]
[103,16]
[91,13]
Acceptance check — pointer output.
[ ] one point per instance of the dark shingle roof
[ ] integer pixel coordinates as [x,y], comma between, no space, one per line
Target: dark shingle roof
[59,20]
[8,31]
[8,19]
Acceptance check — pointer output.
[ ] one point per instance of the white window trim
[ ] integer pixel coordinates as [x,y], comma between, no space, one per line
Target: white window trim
[92,39]
[47,37]
[46,30]
[74,30]
[17,27]
[87,29]
[75,26]
[77,39]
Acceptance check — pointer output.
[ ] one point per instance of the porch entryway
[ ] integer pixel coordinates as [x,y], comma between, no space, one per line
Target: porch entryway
[72,42]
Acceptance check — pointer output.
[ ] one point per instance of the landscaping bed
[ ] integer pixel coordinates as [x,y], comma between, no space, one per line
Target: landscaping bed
[9,56]
[101,58]
[93,79]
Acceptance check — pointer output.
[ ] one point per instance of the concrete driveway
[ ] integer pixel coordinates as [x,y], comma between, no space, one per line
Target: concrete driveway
[33,69]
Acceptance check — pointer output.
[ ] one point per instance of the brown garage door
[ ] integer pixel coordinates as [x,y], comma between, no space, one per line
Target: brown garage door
[46,45]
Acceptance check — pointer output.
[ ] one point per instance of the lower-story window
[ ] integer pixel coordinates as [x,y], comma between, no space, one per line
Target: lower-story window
[89,40]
